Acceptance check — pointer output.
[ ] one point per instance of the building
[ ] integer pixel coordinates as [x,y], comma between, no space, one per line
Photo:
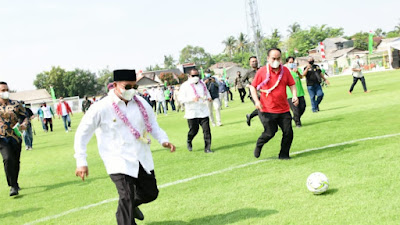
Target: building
[32,97]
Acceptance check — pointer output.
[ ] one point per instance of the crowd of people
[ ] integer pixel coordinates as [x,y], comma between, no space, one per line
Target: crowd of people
[124,119]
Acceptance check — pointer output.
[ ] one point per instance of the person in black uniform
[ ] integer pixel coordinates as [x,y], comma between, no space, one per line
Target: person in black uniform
[313,77]
[247,79]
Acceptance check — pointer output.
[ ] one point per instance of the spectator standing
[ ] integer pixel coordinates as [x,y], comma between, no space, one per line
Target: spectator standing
[63,110]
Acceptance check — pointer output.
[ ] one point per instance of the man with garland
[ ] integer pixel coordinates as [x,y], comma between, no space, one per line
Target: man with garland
[271,80]
[122,122]
[12,113]
[194,95]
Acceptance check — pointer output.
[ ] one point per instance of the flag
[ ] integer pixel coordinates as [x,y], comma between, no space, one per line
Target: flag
[370,42]
[201,72]
[287,54]
[53,94]
[224,77]
[165,83]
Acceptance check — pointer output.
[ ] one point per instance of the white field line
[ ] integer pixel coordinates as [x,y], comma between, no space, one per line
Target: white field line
[47,218]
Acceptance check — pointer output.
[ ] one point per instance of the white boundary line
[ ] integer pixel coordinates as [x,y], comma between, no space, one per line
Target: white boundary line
[209,174]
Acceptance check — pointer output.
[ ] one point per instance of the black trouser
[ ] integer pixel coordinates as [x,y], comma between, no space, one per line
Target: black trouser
[271,121]
[194,128]
[255,112]
[297,110]
[229,94]
[242,93]
[11,152]
[166,104]
[172,104]
[133,192]
[154,105]
[48,120]
[355,80]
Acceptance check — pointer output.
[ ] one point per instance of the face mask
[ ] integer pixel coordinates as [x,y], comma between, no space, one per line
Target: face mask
[5,95]
[208,75]
[23,105]
[311,62]
[194,80]
[127,94]
[275,64]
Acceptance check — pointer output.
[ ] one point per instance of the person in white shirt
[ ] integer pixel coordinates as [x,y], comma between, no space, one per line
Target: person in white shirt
[357,74]
[194,95]
[48,114]
[122,122]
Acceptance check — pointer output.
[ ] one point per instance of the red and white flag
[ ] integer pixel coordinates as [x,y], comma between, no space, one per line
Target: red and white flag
[322,50]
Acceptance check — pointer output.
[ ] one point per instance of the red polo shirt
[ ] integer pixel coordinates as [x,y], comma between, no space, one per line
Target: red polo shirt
[276,102]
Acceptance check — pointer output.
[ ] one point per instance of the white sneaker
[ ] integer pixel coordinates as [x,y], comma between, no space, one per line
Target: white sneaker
[69,128]
[219,124]
[213,124]
[66,131]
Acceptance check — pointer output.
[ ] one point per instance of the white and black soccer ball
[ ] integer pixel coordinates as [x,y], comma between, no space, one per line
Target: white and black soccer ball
[317,183]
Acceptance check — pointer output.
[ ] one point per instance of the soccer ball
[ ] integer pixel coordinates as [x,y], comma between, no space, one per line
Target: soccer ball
[317,183]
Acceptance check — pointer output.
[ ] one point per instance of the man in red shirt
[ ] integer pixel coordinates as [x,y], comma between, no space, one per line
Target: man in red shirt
[63,110]
[271,80]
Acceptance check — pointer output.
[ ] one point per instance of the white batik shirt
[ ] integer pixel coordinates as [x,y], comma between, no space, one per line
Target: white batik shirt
[194,109]
[120,151]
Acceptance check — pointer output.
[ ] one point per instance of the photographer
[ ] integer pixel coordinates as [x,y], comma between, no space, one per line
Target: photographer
[313,77]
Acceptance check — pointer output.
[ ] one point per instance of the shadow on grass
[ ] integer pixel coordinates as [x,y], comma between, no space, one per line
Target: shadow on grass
[235,122]
[330,149]
[330,191]
[235,145]
[224,218]
[18,213]
[321,121]
[77,182]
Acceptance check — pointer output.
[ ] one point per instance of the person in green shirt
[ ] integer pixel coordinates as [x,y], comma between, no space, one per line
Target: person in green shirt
[167,95]
[297,75]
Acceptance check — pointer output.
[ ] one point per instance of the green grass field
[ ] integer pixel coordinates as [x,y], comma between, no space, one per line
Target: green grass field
[363,175]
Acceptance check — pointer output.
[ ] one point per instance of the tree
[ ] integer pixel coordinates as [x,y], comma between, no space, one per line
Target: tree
[105,76]
[169,62]
[379,32]
[197,55]
[169,78]
[81,82]
[230,45]
[361,40]
[304,40]
[242,42]
[293,28]
[53,78]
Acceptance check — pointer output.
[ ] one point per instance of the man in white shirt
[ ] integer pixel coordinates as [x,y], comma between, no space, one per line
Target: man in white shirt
[47,114]
[357,74]
[122,122]
[194,95]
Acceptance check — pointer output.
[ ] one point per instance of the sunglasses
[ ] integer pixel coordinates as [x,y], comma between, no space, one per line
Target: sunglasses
[128,87]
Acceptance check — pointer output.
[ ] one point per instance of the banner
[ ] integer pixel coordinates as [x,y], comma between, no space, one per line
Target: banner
[371,42]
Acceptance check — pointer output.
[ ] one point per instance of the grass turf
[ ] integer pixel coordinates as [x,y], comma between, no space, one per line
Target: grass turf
[363,175]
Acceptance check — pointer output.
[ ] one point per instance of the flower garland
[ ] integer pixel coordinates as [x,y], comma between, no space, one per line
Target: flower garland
[204,89]
[135,133]
[268,76]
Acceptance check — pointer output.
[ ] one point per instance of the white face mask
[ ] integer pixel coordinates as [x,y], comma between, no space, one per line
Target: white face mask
[194,80]
[5,95]
[275,64]
[127,94]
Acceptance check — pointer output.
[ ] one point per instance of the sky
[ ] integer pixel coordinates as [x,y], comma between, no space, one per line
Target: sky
[131,34]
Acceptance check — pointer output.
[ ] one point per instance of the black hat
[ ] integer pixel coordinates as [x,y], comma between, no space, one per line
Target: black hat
[124,75]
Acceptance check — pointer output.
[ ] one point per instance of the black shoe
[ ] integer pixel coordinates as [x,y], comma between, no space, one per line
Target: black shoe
[284,158]
[208,151]
[138,214]
[189,146]
[257,152]
[13,191]
[248,119]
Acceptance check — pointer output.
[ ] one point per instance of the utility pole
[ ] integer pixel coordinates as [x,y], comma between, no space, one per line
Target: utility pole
[254,26]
